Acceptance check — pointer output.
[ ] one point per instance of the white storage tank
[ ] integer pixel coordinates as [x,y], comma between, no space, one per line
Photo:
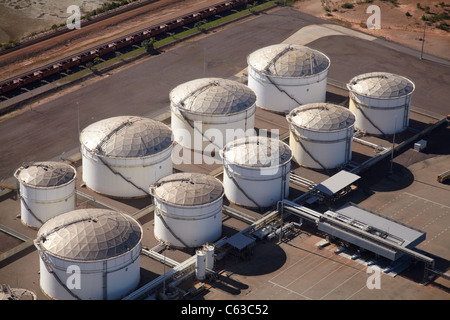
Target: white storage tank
[256,171]
[46,189]
[321,135]
[211,111]
[200,265]
[89,254]
[188,209]
[284,76]
[209,250]
[122,156]
[381,102]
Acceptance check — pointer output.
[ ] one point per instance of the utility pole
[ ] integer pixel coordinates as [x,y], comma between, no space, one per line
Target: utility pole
[423,38]
[164,277]
[204,62]
[78,111]
[393,144]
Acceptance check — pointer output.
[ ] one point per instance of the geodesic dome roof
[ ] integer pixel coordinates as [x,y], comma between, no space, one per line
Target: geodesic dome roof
[126,137]
[45,174]
[213,96]
[288,60]
[321,117]
[188,189]
[256,151]
[381,85]
[89,234]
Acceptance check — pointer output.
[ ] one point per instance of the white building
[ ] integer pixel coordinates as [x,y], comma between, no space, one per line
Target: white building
[321,135]
[122,156]
[188,209]
[46,190]
[210,112]
[256,171]
[89,254]
[284,76]
[381,102]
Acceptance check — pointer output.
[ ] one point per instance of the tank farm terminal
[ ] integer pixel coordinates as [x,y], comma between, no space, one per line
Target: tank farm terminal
[273,180]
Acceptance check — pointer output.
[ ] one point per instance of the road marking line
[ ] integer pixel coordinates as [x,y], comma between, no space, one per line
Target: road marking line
[311,269]
[437,203]
[387,203]
[365,286]
[418,214]
[343,265]
[341,284]
[291,291]
[298,261]
[443,231]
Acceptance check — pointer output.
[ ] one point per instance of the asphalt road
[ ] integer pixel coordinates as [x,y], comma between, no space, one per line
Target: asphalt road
[52,128]
[350,57]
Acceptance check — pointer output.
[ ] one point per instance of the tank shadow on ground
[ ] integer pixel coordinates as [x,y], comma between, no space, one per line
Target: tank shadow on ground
[229,285]
[416,271]
[267,257]
[438,141]
[400,178]
[377,179]
[146,277]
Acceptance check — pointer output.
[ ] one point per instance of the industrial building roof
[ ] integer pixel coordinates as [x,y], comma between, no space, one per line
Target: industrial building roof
[321,117]
[45,174]
[126,137]
[188,189]
[89,234]
[288,60]
[213,96]
[257,151]
[381,85]
[336,182]
[388,229]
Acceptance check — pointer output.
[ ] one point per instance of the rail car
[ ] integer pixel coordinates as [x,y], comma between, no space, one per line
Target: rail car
[31,78]
[135,38]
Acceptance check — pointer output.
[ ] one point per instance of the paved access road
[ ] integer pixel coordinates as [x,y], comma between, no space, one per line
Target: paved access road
[350,58]
[52,128]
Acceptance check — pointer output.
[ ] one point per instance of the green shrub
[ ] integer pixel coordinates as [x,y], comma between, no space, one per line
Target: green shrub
[347,5]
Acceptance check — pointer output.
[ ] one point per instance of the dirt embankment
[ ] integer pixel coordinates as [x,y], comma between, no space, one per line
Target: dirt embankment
[22,18]
[401,20]
[70,43]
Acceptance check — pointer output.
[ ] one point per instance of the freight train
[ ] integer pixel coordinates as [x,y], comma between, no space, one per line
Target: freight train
[101,50]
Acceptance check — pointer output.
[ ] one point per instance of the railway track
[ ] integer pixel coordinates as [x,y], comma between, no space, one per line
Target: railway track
[84,23]
[137,37]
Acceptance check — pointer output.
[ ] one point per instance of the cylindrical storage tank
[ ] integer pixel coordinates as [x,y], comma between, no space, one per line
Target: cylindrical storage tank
[200,266]
[256,171]
[122,156]
[46,190]
[89,254]
[207,113]
[284,76]
[381,102]
[188,209]
[209,250]
[321,135]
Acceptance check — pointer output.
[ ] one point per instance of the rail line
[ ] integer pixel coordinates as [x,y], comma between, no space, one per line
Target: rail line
[84,23]
[116,44]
